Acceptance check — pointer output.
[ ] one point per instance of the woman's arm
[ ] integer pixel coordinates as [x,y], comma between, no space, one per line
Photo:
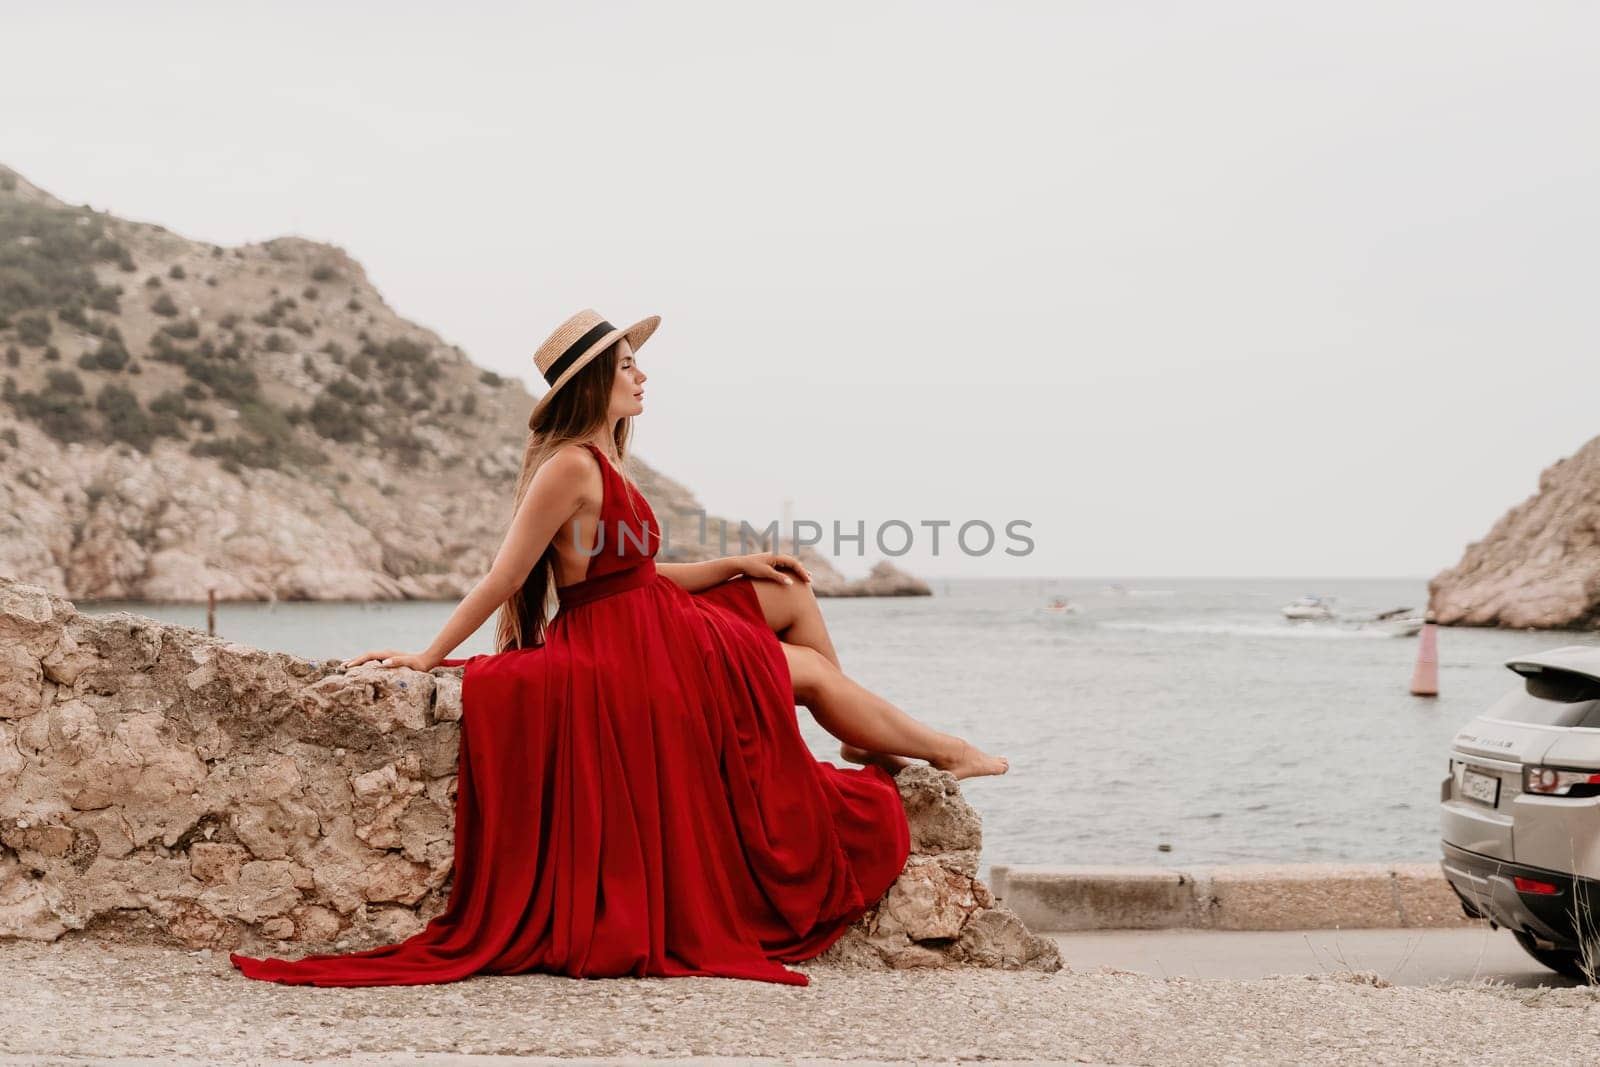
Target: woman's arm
[693,577]
[554,496]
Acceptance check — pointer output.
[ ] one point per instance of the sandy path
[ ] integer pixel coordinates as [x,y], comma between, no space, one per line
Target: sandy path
[87,1000]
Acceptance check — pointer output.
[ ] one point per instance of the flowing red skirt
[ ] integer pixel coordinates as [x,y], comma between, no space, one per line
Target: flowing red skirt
[635,798]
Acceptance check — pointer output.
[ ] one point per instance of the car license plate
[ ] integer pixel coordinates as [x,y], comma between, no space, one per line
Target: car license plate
[1484,788]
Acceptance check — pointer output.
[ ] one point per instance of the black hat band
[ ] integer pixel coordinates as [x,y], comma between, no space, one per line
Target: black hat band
[576,349]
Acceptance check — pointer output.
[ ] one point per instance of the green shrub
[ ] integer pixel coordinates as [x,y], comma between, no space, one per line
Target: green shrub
[397,438]
[177,272]
[164,350]
[52,354]
[170,402]
[323,272]
[105,298]
[469,405]
[64,382]
[489,377]
[153,282]
[352,304]
[228,381]
[336,420]
[164,306]
[229,320]
[13,356]
[399,358]
[299,326]
[59,409]
[109,355]
[183,329]
[48,254]
[265,422]
[273,437]
[235,452]
[225,378]
[33,330]
[310,292]
[276,342]
[124,419]
[72,314]
[345,391]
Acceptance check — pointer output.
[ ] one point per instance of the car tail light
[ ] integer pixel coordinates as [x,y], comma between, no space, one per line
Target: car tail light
[1555,782]
[1533,885]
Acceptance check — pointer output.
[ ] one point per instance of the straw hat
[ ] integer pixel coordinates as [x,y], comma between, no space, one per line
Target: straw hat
[575,342]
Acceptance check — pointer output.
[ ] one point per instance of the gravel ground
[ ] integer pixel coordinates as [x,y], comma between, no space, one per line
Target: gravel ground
[81,1000]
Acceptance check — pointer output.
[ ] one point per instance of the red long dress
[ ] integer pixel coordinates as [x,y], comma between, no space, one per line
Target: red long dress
[634,797]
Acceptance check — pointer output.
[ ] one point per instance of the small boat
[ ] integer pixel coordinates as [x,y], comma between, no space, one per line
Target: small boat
[1310,607]
[1061,606]
[1397,622]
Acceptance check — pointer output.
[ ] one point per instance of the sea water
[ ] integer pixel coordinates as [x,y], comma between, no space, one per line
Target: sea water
[1167,721]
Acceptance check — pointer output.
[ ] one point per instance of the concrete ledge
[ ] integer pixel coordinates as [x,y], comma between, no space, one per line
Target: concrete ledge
[1299,896]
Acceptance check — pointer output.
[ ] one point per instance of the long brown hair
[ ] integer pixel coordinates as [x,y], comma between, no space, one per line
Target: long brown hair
[573,414]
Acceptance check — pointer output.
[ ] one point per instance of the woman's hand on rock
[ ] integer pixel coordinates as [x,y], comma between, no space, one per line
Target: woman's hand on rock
[392,658]
[772,565]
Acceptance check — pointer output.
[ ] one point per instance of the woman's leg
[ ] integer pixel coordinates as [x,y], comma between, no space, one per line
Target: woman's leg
[860,717]
[792,612]
[852,713]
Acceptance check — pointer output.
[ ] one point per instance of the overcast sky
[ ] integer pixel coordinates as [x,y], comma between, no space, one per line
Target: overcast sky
[1194,289]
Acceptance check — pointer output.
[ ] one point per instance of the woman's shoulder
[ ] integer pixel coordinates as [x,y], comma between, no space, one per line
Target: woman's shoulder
[569,469]
[572,458]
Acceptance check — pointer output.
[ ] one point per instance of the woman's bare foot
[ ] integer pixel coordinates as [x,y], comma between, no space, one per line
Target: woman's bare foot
[966,760]
[887,760]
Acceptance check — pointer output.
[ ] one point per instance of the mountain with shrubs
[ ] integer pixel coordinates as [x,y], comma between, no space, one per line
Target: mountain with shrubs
[181,417]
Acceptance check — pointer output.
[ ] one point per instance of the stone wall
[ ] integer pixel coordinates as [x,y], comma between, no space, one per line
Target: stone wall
[161,785]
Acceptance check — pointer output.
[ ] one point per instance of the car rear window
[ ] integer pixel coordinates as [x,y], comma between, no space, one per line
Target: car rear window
[1552,698]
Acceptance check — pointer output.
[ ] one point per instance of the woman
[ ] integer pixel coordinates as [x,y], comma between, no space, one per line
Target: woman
[634,796]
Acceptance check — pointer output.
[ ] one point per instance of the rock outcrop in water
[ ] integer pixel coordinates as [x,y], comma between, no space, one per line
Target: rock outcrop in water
[885,579]
[179,417]
[1539,566]
[158,784]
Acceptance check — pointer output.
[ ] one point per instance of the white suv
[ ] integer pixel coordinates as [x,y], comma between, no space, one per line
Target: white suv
[1520,811]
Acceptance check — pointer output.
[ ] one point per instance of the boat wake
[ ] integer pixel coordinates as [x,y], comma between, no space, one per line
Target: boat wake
[1245,629]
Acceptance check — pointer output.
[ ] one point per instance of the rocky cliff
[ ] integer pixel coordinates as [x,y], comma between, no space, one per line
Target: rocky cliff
[1539,565]
[158,784]
[180,417]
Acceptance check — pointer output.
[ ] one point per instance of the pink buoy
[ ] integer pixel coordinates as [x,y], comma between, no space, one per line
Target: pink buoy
[1425,678]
